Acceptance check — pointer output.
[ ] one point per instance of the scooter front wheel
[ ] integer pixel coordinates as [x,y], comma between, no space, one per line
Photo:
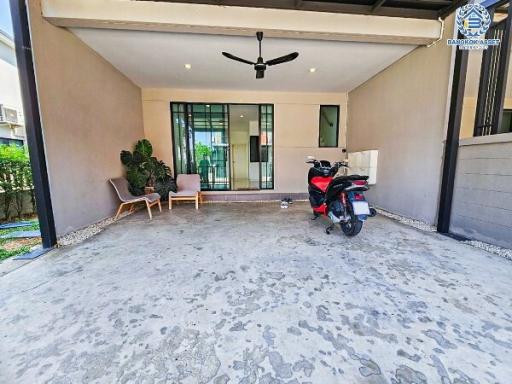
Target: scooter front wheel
[353,226]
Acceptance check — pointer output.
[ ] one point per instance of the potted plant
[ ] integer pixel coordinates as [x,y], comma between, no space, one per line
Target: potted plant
[145,173]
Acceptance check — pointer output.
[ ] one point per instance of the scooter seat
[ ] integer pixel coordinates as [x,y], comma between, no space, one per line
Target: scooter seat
[352,177]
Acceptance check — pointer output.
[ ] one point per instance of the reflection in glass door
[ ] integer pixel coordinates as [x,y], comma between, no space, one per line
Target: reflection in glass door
[209,145]
[267,146]
[200,133]
[201,142]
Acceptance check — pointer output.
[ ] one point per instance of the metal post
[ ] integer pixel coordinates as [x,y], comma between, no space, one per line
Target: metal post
[452,140]
[33,126]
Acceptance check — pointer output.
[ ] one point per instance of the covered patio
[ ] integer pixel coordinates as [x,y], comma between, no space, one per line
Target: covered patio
[251,293]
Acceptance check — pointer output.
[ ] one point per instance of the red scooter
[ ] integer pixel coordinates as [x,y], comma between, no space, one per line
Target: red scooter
[339,198]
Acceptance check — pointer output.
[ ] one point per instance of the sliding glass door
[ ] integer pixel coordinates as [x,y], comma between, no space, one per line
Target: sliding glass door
[201,140]
[200,133]
[267,146]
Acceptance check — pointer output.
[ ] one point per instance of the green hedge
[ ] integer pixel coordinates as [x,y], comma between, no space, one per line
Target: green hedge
[15,181]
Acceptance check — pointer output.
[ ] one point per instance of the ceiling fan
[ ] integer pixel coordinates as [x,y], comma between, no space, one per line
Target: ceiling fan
[260,66]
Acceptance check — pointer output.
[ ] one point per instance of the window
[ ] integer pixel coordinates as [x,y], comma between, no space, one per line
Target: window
[506,122]
[7,141]
[266,146]
[329,121]
[255,149]
[489,71]
[202,144]
[200,135]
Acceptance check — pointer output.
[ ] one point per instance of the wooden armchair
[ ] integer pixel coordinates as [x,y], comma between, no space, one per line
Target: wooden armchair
[189,188]
[127,199]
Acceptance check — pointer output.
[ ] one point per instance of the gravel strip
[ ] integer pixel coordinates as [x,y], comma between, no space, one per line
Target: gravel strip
[410,222]
[87,232]
[494,249]
[503,252]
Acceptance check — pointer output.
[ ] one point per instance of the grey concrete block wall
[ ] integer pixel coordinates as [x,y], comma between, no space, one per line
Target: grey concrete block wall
[482,201]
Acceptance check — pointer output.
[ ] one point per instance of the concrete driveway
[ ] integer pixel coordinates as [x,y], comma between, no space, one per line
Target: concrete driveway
[251,293]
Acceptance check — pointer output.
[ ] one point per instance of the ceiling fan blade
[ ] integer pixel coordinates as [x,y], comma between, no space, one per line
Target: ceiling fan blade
[233,57]
[260,73]
[283,59]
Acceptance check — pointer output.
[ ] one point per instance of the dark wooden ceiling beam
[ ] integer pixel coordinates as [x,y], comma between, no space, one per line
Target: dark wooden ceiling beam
[452,8]
[377,5]
[320,6]
[440,3]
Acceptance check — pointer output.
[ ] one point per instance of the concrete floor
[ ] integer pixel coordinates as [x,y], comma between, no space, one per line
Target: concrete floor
[251,293]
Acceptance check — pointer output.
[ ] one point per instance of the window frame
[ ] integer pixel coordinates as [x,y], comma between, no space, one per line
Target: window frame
[505,110]
[187,123]
[337,125]
[488,117]
[11,141]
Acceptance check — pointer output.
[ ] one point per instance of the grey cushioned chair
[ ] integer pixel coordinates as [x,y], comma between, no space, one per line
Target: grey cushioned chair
[188,188]
[127,199]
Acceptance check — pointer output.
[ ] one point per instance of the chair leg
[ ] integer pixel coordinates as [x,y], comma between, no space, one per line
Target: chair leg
[119,211]
[170,203]
[159,205]
[197,201]
[200,198]
[149,210]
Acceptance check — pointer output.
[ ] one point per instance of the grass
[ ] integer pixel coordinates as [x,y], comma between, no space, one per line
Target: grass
[15,247]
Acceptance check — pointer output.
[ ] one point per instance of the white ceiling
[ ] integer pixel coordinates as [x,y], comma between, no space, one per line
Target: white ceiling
[249,113]
[157,59]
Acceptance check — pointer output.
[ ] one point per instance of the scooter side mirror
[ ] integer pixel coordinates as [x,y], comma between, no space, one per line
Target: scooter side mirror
[310,160]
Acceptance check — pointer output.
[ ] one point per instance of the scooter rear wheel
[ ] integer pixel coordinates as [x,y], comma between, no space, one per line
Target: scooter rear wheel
[353,226]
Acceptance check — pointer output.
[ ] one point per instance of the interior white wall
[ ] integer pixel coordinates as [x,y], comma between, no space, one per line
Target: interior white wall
[254,168]
[239,142]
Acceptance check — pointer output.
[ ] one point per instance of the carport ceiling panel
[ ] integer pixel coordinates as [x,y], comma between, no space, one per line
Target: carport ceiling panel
[425,9]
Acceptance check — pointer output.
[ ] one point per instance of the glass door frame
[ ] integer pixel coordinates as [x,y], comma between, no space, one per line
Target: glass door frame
[229,160]
[261,147]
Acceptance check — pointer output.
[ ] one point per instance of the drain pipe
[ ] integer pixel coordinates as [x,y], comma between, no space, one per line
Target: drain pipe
[440,34]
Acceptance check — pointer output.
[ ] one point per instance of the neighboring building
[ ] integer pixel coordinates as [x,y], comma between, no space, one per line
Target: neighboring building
[12,130]
[369,77]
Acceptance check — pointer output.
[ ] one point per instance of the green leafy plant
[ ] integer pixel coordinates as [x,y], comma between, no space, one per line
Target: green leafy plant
[145,170]
[201,151]
[15,180]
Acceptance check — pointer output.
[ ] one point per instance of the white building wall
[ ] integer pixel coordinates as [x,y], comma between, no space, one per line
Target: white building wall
[10,95]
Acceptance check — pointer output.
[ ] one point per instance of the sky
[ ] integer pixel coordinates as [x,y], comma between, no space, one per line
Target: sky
[5,17]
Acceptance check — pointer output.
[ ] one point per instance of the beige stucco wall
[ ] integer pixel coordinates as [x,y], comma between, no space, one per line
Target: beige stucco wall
[89,112]
[296,119]
[402,112]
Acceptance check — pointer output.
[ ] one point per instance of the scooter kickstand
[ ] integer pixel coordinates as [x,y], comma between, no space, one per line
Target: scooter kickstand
[329,229]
